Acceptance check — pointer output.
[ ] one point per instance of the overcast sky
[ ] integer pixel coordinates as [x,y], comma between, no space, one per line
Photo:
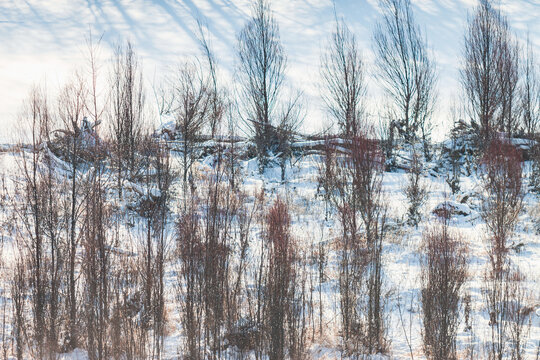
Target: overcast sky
[42,41]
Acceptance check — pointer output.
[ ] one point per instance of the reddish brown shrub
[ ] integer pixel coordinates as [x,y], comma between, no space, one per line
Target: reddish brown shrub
[444,270]
[281,258]
[502,171]
[502,203]
[285,290]
[357,195]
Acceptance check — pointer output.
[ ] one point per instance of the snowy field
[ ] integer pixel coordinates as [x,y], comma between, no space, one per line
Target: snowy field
[401,253]
[94,185]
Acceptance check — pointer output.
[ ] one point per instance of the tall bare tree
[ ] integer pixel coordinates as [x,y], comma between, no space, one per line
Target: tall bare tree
[32,213]
[192,106]
[217,94]
[503,195]
[279,278]
[261,71]
[220,209]
[190,278]
[357,195]
[95,106]
[530,96]
[490,71]
[405,69]
[342,72]
[127,109]
[96,267]
[71,105]
[508,76]
[502,203]
[53,226]
[164,178]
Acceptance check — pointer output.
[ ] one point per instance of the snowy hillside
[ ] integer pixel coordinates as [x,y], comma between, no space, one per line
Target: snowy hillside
[402,249]
[270,180]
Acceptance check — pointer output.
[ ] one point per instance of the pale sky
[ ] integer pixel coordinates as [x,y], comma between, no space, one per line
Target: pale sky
[42,41]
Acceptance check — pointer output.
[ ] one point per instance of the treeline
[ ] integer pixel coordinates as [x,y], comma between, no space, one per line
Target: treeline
[116,246]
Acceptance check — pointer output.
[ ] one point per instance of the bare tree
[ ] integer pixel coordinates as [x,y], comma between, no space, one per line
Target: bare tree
[530,110]
[53,227]
[405,69]
[280,287]
[351,279]
[508,75]
[40,225]
[189,247]
[326,173]
[217,96]
[244,336]
[19,292]
[344,191]
[96,267]
[94,106]
[503,196]
[154,212]
[490,71]
[192,105]
[71,105]
[376,341]
[502,203]
[5,278]
[322,260]
[261,72]
[530,96]
[496,297]
[444,271]
[127,337]
[368,160]
[518,314]
[291,118]
[506,298]
[164,179]
[357,190]
[127,110]
[342,73]
[31,213]
[220,212]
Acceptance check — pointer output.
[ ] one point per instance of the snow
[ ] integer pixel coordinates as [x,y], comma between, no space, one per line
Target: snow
[401,250]
[43,41]
[524,144]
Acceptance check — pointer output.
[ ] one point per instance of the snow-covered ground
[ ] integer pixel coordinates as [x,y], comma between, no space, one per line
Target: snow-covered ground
[401,251]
